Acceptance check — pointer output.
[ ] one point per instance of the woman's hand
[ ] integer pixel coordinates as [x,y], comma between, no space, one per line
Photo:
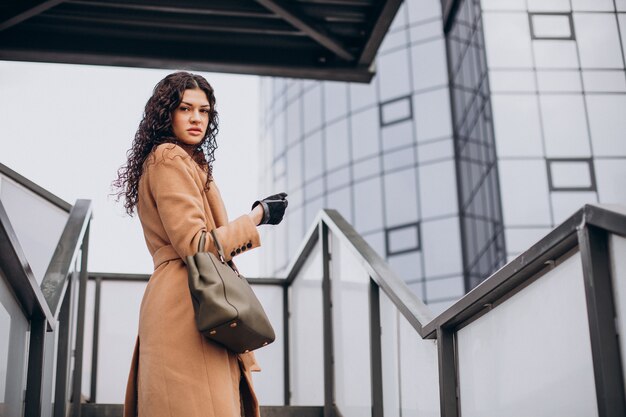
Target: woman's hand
[272,207]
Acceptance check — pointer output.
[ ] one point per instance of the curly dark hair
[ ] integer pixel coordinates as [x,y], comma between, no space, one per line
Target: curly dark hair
[155,128]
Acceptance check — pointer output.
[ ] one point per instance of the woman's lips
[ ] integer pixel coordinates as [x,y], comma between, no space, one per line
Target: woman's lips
[194,132]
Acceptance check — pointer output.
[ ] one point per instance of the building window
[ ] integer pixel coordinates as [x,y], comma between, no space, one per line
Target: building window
[551,26]
[396,111]
[402,239]
[569,174]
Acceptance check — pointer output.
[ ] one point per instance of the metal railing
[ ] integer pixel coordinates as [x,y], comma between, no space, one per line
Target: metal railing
[50,308]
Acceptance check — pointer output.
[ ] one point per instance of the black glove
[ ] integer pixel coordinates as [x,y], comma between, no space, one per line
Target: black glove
[273,208]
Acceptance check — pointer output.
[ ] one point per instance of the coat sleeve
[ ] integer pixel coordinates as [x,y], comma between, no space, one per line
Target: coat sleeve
[179,202]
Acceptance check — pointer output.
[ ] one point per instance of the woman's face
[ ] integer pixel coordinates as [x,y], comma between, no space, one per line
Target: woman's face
[191,118]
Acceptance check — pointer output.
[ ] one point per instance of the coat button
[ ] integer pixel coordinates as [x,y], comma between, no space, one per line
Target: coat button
[232,253]
[238,250]
[243,248]
[249,245]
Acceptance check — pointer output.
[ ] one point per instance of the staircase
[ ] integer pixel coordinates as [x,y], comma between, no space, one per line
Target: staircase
[539,335]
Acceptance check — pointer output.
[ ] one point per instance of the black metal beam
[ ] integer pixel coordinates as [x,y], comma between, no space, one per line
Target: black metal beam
[22,10]
[383,19]
[96,342]
[448,383]
[18,273]
[80,328]
[55,280]
[34,378]
[376,356]
[286,348]
[317,33]
[327,317]
[35,189]
[64,354]
[605,349]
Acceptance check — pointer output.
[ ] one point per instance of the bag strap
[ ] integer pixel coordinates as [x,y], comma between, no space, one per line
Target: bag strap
[218,245]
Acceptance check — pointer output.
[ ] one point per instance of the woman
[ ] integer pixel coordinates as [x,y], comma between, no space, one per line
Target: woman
[175,371]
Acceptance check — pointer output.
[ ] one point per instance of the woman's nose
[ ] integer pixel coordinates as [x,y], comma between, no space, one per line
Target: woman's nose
[195,116]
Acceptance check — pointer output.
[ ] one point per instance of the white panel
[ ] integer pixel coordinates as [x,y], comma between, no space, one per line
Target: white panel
[432,151]
[335,100]
[512,81]
[507,40]
[437,189]
[306,341]
[593,29]
[116,342]
[503,4]
[551,26]
[565,126]
[429,66]
[566,203]
[593,5]
[621,5]
[389,356]
[549,5]
[555,54]
[604,81]
[432,115]
[524,191]
[400,186]
[441,245]
[393,74]
[516,125]
[519,240]
[559,81]
[607,123]
[531,355]
[617,249]
[38,229]
[14,338]
[419,373]
[269,383]
[610,178]
[351,335]
[361,95]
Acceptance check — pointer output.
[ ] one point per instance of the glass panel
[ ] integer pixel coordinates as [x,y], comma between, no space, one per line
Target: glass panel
[351,335]
[38,229]
[555,54]
[362,95]
[401,158]
[593,5]
[546,347]
[617,249]
[269,384]
[593,29]
[393,75]
[400,186]
[389,356]
[551,26]
[337,145]
[365,128]
[408,265]
[432,151]
[549,5]
[335,100]
[403,239]
[445,288]
[366,168]
[312,109]
[565,126]
[116,343]
[441,245]
[511,81]
[14,338]
[419,373]
[341,201]
[610,176]
[604,81]
[437,189]
[368,205]
[306,341]
[503,4]
[313,163]
[396,135]
[558,81]
[294,121]
[429,65]
[396,110]
[564,203]
[432,115]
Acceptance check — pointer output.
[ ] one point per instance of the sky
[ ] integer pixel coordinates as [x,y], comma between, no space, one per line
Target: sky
[67,128]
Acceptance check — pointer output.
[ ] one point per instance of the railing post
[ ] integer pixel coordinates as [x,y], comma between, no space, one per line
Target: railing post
[34,381]
[63,352]
[329,360]
[80,327]
[286,362]
[96,341]
[448,383]
[376,351]
[605,350]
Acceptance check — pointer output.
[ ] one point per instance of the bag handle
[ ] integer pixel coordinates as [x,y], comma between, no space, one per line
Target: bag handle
[218,246]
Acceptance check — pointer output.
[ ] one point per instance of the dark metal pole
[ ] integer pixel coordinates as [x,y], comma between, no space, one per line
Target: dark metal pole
[35,380]
[63,355]
[96,338]
[80,327]
[329,360]
[376,351]
[448,384]
[286,320]
[605,350]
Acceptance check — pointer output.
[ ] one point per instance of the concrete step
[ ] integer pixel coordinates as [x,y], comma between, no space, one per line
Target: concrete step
[115,410]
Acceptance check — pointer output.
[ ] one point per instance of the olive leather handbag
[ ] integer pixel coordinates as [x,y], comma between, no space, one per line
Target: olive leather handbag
[227,310]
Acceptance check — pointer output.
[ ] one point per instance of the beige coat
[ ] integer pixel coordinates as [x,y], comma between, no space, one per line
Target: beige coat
[175,371]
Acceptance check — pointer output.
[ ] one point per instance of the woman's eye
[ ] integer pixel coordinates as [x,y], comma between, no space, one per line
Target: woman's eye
[205,111]
[184,108]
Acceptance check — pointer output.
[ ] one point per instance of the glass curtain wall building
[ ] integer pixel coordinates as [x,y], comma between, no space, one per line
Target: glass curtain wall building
[469,144]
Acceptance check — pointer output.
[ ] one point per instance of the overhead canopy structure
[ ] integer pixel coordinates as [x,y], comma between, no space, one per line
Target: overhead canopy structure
[320,39]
